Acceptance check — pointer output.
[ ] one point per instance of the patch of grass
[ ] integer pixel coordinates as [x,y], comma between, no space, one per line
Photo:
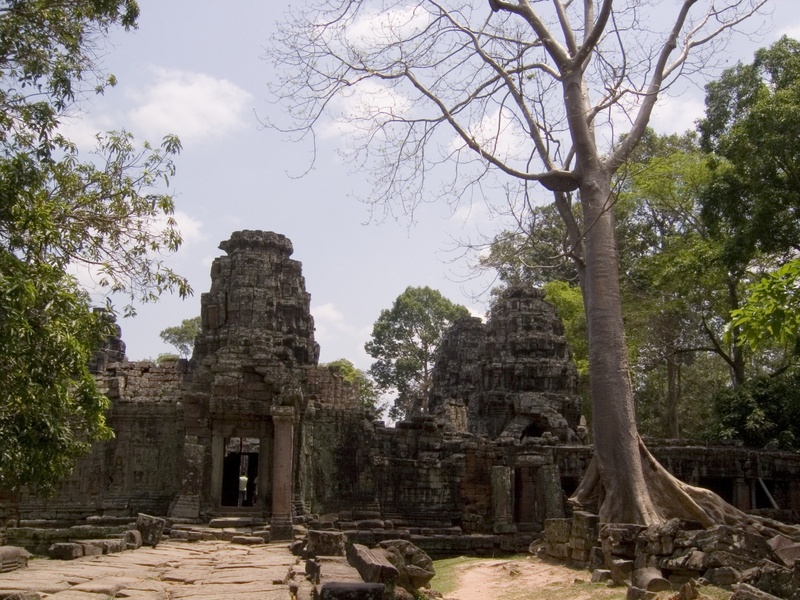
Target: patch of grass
[447,570]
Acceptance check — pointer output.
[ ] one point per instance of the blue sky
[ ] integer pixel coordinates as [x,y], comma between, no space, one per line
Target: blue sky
[196,70]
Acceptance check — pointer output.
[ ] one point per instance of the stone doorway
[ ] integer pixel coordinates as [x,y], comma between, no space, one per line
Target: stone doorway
[241,459]
[238,449]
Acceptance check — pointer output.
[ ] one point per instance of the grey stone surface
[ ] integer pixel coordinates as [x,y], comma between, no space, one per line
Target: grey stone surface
[325,543]
[170,571]
[351,591]
[151,528]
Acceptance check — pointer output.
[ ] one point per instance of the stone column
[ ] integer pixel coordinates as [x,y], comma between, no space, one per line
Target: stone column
[503,500]
[281,523]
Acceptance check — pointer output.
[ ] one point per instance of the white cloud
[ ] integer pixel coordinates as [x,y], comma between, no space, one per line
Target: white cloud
[677,115]
[191,229]
[191,105]
[499,133]
[360,107]
[339,338]
[378,29]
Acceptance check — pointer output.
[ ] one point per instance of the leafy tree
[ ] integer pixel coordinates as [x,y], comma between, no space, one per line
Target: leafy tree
[182,336]
[404,341]
[367,392]
[51,409]
[57,212]
[518,95]
[772,311]
[753,126]
[765,411]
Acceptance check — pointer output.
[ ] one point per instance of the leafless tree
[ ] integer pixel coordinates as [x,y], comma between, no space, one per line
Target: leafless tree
[516,92]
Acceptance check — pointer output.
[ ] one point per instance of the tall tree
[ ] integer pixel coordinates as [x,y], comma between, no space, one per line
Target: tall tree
[519,93]
[57,212]
[182,336]
[753,127]
[404,341]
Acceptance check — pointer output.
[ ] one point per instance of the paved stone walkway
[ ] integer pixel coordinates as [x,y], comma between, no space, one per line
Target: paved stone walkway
[210,570]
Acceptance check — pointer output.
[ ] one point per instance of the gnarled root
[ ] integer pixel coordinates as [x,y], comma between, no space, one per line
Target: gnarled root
[674,499]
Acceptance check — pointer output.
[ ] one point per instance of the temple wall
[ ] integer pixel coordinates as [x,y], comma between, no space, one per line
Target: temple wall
[136,471]
[499,453]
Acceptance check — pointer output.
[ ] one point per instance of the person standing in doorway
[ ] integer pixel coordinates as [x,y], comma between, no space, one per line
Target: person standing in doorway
[242,489]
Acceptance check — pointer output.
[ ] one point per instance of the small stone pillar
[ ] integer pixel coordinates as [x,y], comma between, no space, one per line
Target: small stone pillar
[502,500]
[281,522]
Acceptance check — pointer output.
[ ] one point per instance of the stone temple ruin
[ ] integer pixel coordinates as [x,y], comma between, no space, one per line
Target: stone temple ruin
[497,452]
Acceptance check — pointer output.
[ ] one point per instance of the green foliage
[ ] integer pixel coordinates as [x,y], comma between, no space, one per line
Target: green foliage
[772,311]
[367,392]
[50,408]
[182,336]
[568,300]
[765,410]
[535,255]
[165,358]
[58,212]
[753,126]
[404,341]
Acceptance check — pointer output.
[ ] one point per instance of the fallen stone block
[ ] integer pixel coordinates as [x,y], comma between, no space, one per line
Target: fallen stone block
[65,551]
[91,549]
[325,543]
[133,539]
[151,528]
[106,546]
[247,540]
[13,558]
[19,595]
[621,570]
[722,576]
[372,565]
[601,576]
[414,565]
[650,579]
[351,591]
[744,591]
[224,522]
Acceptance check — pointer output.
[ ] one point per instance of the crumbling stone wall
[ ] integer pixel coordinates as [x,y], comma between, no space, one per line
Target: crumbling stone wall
[137,470]
[512,377]
[497,456]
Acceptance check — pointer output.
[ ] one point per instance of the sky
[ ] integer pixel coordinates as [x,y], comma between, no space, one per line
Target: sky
[197,70]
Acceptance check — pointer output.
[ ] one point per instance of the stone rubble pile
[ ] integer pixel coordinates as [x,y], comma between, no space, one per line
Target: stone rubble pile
[337,569]
[677,555]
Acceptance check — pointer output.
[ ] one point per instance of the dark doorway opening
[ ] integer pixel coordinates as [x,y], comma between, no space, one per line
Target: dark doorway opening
[539,424]
[525,507]
[721,486]
[240,470]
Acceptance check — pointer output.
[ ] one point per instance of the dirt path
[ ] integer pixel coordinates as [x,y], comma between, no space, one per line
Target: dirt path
[526,578]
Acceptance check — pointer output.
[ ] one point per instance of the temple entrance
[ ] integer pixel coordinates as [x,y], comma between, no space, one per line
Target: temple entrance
[240,472]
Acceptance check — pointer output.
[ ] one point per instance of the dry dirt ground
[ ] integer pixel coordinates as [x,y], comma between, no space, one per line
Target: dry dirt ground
[521,578]
[528,578]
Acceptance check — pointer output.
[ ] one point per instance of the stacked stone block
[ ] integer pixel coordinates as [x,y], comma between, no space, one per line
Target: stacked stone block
[512,377]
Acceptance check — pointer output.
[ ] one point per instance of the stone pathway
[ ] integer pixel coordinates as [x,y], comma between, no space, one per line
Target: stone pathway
[208,570]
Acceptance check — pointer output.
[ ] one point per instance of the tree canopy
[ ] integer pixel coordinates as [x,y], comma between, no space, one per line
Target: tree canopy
[58,212]
[182,336]
[404,342]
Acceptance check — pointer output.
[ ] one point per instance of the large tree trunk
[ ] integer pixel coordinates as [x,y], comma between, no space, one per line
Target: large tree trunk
[625,497]
[624,481]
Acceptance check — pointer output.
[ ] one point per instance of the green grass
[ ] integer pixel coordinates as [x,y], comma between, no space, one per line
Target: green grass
[447,570]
